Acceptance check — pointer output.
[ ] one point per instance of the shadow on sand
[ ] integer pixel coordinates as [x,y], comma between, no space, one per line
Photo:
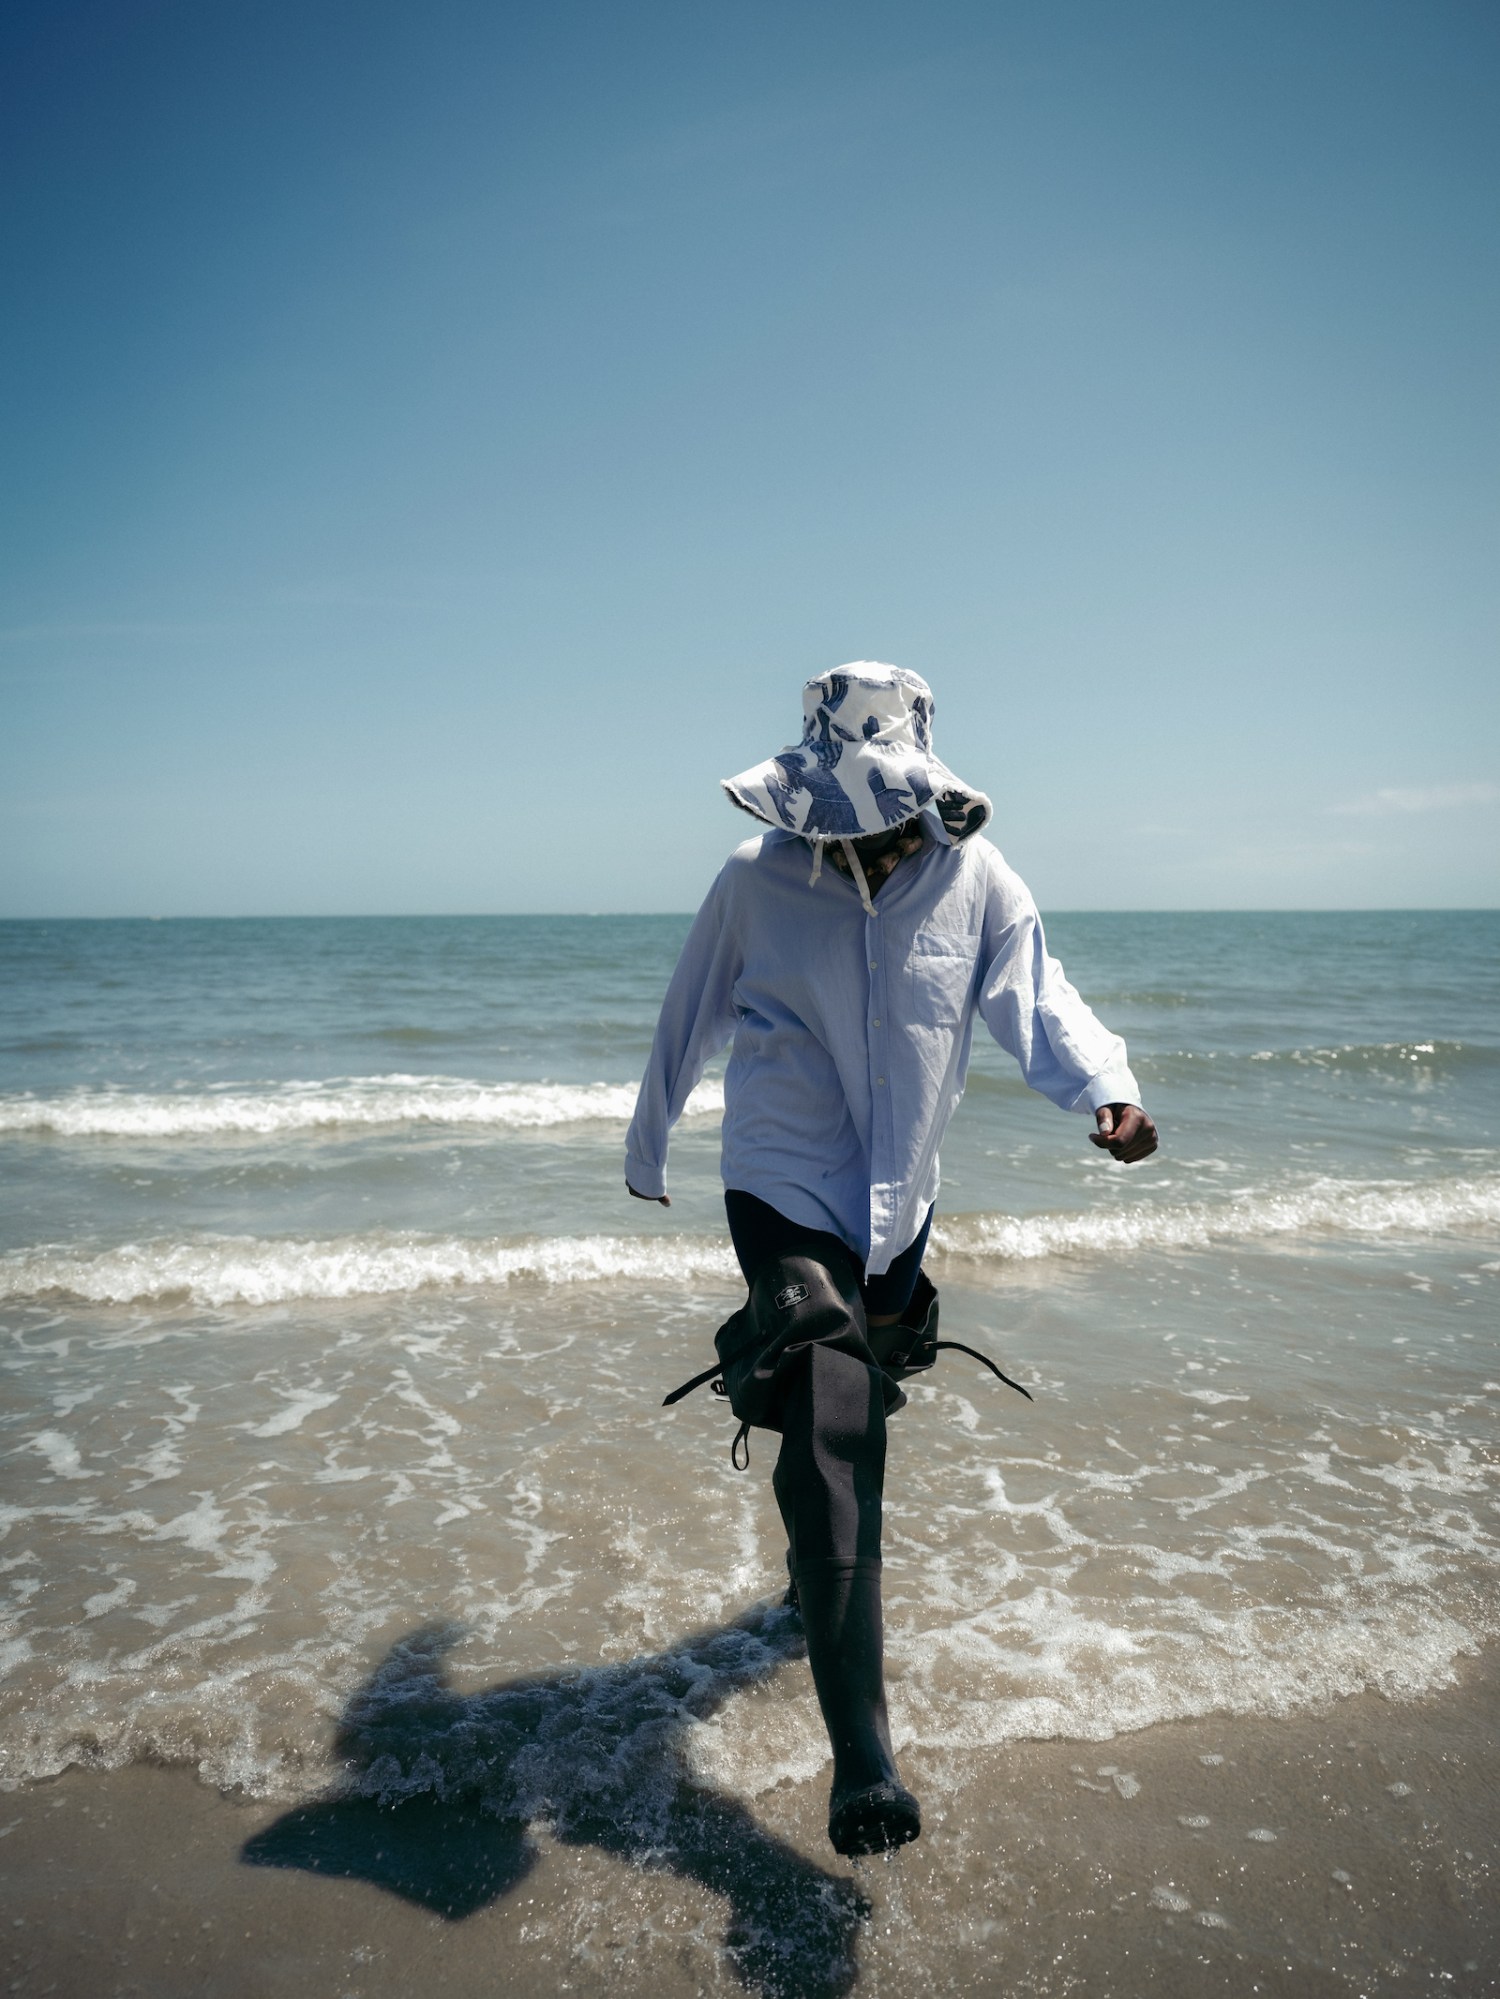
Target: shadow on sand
[441,1791]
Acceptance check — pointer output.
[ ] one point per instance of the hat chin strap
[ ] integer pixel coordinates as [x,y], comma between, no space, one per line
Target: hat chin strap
[859,875]
[854,868]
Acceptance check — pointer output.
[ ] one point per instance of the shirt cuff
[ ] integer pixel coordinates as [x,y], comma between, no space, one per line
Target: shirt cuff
[1110,1086]
[652,1180]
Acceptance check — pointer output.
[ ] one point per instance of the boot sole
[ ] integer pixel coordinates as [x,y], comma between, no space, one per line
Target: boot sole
[874,1821]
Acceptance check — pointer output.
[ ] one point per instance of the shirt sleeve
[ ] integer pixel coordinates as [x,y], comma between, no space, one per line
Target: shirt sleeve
[697,1018]
[1064,1051]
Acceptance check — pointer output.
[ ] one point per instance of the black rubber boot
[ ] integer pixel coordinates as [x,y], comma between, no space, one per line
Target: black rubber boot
[828,1483]
[870,1809]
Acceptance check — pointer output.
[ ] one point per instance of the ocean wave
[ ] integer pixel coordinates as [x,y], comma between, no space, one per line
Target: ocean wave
[1320,1207]
[364,1102]
[1383,1065]
[254,1271]
[248,1270]
[1382,1058]
[361,1101]
[1381,1055]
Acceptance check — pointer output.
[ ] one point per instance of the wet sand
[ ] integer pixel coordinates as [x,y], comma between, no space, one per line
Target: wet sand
[1351,1852]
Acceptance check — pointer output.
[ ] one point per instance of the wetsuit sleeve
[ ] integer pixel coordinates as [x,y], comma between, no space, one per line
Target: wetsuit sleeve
[697,1018]
[1064,1051]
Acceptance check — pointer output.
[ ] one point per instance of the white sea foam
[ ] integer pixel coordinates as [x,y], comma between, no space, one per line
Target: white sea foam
[287,1108]
[1054,1596]
[249,1270]
[1036,1667]
[1320,1207]
[1046,1663]
[61,1454]
[296,1412]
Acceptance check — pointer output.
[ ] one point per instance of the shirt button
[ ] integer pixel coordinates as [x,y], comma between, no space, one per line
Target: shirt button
[872,964]
[877,1020]
[881,1081]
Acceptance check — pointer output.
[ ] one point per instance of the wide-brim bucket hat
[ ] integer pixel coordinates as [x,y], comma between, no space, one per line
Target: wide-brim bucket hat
[865,762]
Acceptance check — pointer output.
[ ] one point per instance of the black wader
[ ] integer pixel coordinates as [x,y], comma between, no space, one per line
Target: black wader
[801,1358]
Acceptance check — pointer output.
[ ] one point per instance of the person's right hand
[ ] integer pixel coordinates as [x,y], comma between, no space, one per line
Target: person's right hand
[662,1200]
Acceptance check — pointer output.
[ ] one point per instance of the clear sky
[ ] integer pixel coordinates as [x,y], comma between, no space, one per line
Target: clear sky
[438,441]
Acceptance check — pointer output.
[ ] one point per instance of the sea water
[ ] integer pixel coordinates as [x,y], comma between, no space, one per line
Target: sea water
[334,1352]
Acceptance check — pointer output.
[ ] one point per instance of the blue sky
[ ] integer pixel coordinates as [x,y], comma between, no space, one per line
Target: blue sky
[440,441]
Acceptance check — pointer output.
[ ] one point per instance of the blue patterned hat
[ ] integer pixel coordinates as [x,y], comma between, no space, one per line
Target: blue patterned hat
[865,762]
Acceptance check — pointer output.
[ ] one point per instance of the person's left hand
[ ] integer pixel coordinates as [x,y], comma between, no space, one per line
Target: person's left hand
[1125,1132]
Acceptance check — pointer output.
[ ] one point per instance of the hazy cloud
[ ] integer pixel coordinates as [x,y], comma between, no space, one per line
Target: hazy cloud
[1419,798]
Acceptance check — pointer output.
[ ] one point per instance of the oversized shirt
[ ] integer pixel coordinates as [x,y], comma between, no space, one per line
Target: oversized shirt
[852,1029]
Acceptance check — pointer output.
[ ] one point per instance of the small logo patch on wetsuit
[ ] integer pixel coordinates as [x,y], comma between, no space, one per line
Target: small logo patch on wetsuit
[793,1295]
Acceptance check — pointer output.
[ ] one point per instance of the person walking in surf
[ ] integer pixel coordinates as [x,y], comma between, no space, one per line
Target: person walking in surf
[850,996]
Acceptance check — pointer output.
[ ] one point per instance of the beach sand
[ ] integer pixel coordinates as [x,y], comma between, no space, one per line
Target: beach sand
[1350,1852]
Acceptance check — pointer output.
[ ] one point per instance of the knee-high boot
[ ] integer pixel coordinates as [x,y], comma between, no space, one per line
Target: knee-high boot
[870,1809]
[828,1483]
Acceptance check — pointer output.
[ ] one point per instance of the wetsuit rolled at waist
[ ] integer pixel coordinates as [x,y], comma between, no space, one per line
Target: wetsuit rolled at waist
[761,1232]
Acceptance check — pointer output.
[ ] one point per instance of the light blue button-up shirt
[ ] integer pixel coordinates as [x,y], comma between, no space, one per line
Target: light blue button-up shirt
[852,1029]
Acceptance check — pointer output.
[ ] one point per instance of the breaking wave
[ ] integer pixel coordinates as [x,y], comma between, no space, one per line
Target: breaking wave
[248,1270]
[1321,1207]
[359,1101]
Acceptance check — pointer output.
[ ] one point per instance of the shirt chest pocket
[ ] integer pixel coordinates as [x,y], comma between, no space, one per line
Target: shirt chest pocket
[940,970]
